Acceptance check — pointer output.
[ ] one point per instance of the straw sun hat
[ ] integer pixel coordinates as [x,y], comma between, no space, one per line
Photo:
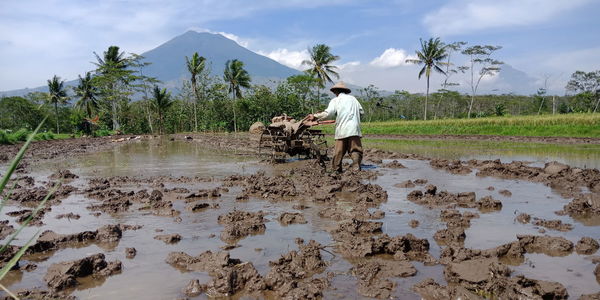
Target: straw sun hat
[341,87]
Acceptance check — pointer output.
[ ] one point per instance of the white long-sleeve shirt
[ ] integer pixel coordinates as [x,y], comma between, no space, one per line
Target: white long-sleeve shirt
[346,110]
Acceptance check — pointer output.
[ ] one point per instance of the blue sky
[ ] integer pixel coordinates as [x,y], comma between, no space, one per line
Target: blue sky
[543,38]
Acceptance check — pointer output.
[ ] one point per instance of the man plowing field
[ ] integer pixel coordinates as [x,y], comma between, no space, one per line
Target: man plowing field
[347,111]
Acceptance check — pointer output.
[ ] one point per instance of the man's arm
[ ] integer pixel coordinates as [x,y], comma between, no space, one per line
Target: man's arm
[329,112]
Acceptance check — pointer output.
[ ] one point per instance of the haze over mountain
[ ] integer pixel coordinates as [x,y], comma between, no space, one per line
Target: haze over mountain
[168,65]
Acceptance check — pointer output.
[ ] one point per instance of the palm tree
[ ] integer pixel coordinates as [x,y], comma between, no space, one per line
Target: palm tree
[236,77]
[195,67]
[56,95]
[162,103]
[430,56]
[320,66]
[112,63]
[87,93]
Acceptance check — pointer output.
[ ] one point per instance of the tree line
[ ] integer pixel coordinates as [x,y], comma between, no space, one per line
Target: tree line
[102,102]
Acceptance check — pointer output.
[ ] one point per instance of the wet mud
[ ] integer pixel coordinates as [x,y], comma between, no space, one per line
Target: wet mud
[411,227]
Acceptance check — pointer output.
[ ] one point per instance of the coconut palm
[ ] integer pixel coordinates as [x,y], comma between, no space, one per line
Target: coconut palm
[113,66]
[195,67]
[432,52]
[320,65]
[236,77]
[87,93]
[56,95]
[162,102]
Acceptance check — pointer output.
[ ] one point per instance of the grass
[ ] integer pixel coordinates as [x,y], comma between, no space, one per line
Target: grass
[568,125]
[21,135]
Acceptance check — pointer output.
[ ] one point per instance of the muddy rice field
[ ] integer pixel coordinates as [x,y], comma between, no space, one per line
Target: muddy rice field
[197,217]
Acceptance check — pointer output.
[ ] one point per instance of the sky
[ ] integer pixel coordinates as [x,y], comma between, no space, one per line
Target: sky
[546,39]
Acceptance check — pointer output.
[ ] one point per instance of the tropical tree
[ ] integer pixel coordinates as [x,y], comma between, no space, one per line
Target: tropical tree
[56,95]
[480,55]
[431,55]
[112,70]
[137,61]
[162,103]
[587,83]
[87,93]
[236,77]
[195,66]
[320,66]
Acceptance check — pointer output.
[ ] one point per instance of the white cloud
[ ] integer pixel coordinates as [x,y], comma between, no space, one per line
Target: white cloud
[290,58]
[391,58]
[466,16]
[240,41]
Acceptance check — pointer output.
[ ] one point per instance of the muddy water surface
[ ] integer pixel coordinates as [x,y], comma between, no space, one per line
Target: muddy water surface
[148,276]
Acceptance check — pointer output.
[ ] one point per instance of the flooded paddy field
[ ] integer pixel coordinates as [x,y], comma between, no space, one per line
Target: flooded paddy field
[204,217]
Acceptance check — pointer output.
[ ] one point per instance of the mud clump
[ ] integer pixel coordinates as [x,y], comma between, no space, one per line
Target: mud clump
[454,233]
[505,193]
[413,223]
[523,218]
[452,166]
[431,198]
[196,207]
[40,295]
[63,275]
[489,204]
[394,165]
[584,205]
[492,277]
[68,216]
[292,275]
[229,276]
[23,215]
[194,288]
[351,228]
[553,224]
[587,246]
[130,252]
[405,184]
[239,224]
[210,193]
[168,238]
[406,247]
[372,276]
[63,174]
[288,218]
[50,240]
[5,229]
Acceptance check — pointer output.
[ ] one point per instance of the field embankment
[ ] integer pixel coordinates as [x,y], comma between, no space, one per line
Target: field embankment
[569,125]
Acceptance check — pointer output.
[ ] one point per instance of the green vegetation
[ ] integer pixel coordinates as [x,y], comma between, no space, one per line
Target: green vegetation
[21,135]
[3,182]
[116,97]
[571,125]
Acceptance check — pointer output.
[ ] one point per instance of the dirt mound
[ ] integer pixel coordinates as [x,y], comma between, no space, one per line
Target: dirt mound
[405,184]
[584,206]
[239,224]
[64,274]
[553,224]
[5,229]
[50,240]
[168,238]
[291,276]
[489,204]
[587,246]
[406,247]
[68,216]
[373,276]
[351,228]
[23,215]
[431,198]
[491,277]
[40,295]
[523,218]
[63,174]
[394,165]
[452,166]
[229,276]
[288,218]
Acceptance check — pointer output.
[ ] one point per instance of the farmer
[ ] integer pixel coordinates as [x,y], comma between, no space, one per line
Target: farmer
[346,110]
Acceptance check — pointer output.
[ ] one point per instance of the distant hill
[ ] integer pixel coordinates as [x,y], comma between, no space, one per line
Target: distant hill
[168,61]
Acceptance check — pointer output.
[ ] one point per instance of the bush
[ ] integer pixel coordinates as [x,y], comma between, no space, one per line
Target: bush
[103,132]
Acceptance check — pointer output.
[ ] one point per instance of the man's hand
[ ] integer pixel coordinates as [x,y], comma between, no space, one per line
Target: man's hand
[310,117]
